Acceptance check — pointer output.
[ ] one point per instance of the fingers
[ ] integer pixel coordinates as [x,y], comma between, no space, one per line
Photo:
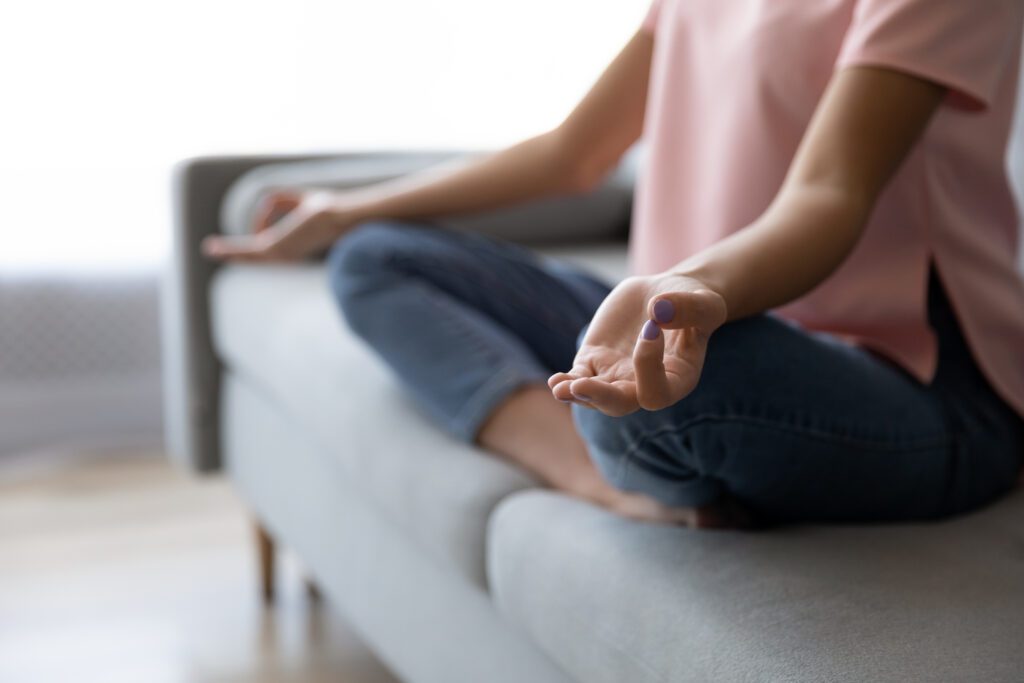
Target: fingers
[561,390]
[561,385]
[653,389]
[702,309]
[614,399]
[214,246]
[559,377]
[222,249]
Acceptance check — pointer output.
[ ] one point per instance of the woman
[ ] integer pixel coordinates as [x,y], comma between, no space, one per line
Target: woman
[840,162]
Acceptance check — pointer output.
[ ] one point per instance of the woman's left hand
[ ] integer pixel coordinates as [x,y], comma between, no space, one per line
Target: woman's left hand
[645,346]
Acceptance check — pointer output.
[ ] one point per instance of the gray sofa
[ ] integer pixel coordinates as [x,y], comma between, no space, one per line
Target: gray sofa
[456,568]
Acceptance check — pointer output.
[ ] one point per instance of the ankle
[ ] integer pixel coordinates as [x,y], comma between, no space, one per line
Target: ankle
[587,483]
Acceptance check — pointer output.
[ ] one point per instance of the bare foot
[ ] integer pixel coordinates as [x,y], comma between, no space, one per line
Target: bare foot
[722,514]
[536,432]
[590,487]
[646,509]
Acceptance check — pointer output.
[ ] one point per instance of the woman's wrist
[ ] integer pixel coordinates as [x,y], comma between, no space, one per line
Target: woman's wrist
[344,205]
[346,212]
[683,279]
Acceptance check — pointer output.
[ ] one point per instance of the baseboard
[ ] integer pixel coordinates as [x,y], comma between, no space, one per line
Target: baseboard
[100,411]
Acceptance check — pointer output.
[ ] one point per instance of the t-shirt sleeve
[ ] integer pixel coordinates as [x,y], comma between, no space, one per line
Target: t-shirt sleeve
[651,18]
[965,45]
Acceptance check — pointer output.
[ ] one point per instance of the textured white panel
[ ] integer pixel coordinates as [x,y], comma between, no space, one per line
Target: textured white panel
[79,359]
[61,326]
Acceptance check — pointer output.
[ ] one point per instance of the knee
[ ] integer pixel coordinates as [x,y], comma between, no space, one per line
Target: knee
[359,263]
[609,440]
[362,253]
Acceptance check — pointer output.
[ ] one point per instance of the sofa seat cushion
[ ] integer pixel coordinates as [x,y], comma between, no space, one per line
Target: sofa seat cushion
[611,600]
[277,328]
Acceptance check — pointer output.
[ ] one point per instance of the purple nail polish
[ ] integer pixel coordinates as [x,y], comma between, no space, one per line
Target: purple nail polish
[664,311]
[651,330]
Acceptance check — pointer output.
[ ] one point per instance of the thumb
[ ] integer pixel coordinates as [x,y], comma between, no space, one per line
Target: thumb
[274,207]
[701,309]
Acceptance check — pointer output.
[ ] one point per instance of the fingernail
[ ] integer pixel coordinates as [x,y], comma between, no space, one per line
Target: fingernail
[583,398]
[651,330]
[664,311]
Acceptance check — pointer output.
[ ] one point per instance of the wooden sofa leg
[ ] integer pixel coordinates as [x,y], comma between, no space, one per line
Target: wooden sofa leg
[313,593]
[265,556]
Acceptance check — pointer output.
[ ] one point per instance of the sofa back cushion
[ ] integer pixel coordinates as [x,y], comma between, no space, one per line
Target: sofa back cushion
[598,216]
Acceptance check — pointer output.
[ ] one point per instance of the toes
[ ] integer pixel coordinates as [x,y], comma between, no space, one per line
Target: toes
[643,508]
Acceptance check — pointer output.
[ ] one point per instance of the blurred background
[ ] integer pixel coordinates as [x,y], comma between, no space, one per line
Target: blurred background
[103,98]
[107,555]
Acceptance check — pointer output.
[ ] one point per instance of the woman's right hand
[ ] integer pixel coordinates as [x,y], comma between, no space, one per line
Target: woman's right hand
[289,226]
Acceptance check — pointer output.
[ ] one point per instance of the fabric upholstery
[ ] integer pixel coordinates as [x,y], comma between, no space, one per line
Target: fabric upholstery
[238,208]
[191,374]
[191,369]
[426,622]
[612,600]
[277,327]
[597,216]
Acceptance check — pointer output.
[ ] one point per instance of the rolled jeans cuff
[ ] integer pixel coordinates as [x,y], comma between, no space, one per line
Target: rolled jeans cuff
[479,406]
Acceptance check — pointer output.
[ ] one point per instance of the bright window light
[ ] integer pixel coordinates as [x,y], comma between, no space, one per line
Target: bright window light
[102,98]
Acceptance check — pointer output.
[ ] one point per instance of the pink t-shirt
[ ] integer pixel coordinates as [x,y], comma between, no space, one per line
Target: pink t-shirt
[732,88]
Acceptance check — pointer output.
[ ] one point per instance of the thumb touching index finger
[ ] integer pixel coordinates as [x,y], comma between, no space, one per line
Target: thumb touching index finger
[702,309]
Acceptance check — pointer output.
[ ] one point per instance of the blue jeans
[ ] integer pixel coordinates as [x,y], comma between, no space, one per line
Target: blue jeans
[794,425]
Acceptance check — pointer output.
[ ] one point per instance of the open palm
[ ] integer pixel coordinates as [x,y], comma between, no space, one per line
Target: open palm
[645,346]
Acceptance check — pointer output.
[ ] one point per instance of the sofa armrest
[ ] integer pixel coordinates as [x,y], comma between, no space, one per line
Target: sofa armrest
[191,368]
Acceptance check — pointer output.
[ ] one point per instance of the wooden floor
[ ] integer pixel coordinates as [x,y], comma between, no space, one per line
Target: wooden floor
[118,569]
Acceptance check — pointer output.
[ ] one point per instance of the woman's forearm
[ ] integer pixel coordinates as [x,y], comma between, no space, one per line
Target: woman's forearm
[532,169]
[868,121]
[791,248]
